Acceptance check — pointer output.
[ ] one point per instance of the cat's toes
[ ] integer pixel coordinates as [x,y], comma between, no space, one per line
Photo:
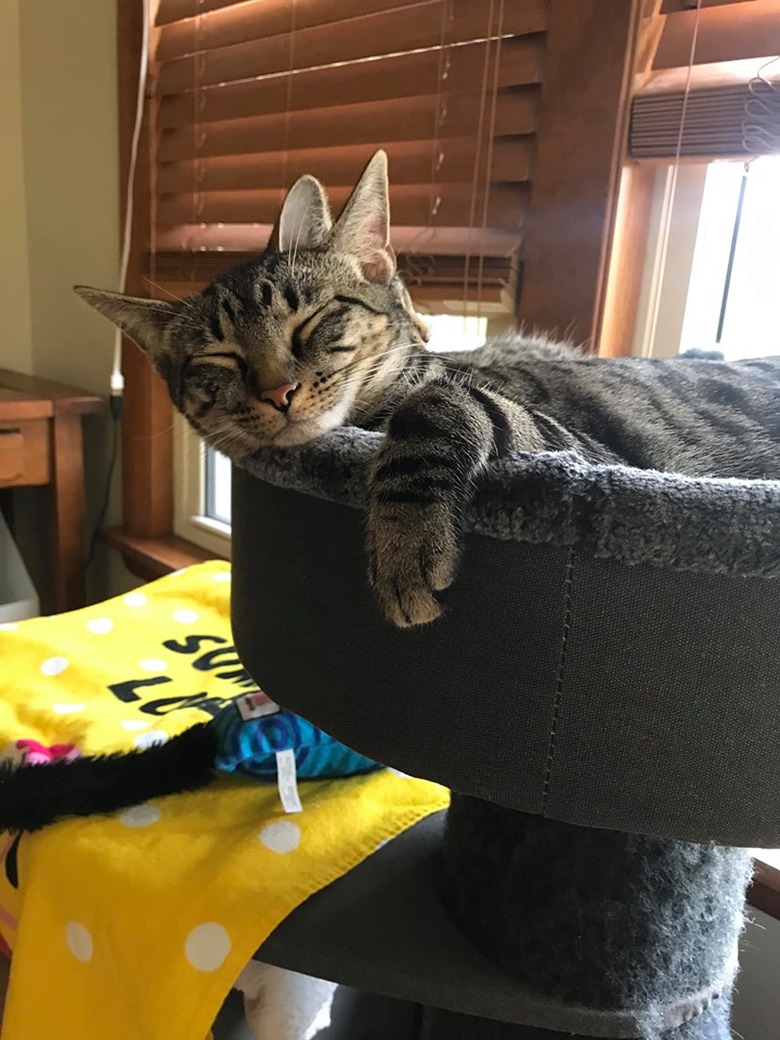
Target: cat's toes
[407,567]
[438,560]
[409,607]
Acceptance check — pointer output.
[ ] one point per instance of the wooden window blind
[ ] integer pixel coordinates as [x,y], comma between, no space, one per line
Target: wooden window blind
[485,106]
[248,96]
[727,105]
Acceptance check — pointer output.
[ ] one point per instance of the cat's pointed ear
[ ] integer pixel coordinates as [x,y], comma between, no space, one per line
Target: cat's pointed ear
[143,320]
[305,220]
[363,229]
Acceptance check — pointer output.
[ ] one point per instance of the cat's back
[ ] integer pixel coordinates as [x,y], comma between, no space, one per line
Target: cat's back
[686,414]
[537,368]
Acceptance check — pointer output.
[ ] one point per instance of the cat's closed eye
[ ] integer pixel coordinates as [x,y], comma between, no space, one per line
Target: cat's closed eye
[224,359]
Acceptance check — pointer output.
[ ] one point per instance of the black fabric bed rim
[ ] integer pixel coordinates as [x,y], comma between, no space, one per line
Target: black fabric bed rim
[709,526]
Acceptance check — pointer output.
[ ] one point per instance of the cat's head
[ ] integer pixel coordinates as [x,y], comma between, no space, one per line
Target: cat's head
[290,345]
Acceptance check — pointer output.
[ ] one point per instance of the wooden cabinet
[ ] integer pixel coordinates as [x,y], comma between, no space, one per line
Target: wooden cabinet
[41,446]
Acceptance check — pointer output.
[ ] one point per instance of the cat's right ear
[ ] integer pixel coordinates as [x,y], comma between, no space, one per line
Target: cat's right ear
[363,228]
[143,320]
[305,220]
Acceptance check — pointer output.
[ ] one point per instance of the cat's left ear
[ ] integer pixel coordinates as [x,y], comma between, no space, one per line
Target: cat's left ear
[363,229]
[305,221]
[143,320]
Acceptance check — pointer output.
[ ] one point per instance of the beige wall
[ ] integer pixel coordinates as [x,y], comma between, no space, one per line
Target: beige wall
[16,350]
[68,102]
[59,177]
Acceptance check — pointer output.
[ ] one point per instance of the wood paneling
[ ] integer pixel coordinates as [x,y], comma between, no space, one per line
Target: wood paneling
[147,425]
[743,30]
[626,262]
[582,126]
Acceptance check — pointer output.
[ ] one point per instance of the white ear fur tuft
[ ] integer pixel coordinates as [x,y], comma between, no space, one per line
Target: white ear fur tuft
[305,221]
[363,229]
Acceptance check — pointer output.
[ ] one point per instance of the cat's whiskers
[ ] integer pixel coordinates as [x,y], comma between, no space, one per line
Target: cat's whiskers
[162,289]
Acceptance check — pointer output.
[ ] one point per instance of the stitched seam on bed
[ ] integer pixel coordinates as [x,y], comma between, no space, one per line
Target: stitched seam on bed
[561,678]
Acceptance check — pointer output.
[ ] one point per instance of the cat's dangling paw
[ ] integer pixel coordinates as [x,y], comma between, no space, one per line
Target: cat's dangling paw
[410,558]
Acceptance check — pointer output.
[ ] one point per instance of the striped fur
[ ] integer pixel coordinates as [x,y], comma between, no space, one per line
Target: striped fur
[322,310]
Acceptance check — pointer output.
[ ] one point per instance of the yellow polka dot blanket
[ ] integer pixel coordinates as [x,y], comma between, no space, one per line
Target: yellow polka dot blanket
[135,926]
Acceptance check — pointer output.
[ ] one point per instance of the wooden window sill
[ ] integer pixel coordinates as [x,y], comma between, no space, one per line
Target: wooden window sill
[151,558]
[764,892]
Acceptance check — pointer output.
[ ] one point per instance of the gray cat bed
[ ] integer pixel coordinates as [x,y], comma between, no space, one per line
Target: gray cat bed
[601,696]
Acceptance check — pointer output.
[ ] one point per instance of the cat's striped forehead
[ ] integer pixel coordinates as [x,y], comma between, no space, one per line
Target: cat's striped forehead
[282,282]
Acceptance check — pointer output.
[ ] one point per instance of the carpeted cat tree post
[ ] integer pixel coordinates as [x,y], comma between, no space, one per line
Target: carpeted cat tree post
[600,696]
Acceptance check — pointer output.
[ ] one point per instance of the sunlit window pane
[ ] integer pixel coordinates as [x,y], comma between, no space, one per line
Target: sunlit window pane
[737,311]
[752,316]
[217,478]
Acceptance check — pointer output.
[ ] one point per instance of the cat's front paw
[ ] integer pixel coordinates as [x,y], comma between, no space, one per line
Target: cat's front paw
[411,557]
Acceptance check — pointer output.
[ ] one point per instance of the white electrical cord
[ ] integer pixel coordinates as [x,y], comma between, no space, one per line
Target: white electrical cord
[117,381]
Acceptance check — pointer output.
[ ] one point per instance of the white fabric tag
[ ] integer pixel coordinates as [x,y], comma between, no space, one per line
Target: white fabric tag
[287,781]
[256,705]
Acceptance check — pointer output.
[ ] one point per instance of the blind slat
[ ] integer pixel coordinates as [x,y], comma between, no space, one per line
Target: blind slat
[415,162]
[173,10]
[407,75]
[726,122]
[257,19]
[409,205]
[195,244]
[173,265]
[434,279]
[409,119]
[365,37]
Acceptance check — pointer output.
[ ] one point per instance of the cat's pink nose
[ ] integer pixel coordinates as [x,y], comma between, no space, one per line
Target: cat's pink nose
[280,396]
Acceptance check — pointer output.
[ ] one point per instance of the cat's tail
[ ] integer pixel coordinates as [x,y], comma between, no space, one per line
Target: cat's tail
[32,797]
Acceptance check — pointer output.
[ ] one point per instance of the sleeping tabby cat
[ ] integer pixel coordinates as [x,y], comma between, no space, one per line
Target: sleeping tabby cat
[319,331]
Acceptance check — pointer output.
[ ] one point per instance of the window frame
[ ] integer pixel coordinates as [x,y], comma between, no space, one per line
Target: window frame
[190,516]
[683,257]
[675,209]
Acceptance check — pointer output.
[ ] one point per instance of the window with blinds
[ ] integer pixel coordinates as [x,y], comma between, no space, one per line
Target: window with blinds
[247,96]
[726,105]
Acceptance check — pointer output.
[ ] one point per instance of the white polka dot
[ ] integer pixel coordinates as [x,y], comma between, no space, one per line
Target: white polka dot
[222,576]
[8,626]
[140,816]
[207,946]
[281,837]
[175,574]
[135,599]
[186,617]
[67,709]
[153,664]
[154,736]
[54,665]
[79,941]
[397,772]
[100,625]
[134,725]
